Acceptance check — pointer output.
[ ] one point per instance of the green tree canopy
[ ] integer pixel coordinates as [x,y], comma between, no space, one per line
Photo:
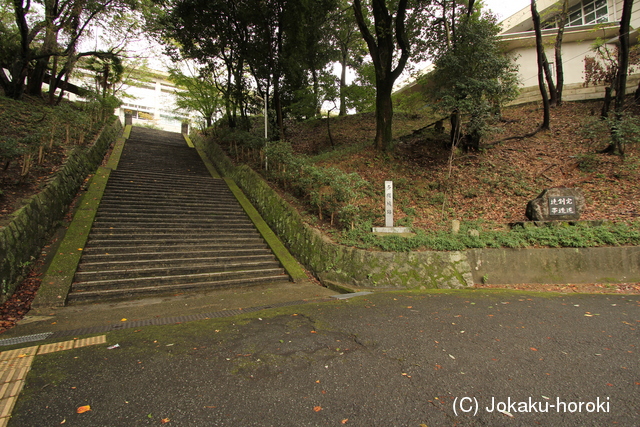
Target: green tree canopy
[197,93]
[43,38]
[472,77]
[279,43]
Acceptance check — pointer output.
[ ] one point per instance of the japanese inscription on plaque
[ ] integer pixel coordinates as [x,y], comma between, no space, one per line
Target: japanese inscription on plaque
[562,205]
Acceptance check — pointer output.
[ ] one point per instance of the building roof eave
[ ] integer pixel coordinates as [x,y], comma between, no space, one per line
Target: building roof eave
[579,33]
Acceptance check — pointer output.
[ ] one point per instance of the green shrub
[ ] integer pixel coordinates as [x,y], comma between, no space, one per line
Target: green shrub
[330,192]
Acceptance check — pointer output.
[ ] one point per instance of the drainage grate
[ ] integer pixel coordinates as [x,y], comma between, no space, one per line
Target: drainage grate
[26,338]
[149,322]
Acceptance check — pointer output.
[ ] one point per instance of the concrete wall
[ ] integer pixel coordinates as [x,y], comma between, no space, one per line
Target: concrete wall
[31,227]
[555,265]
[573,62]
[574,92]
[519,41]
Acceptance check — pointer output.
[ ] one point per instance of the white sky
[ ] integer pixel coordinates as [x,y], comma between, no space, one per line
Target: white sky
[505,8]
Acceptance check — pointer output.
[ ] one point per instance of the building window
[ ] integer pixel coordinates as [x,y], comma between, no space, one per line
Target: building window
[589,12]
[585,13]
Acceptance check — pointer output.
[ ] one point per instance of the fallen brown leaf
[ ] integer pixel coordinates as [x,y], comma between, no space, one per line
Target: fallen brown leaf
[83,409]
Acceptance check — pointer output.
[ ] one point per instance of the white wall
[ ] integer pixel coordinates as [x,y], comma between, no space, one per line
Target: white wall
[573,55]
[579,45]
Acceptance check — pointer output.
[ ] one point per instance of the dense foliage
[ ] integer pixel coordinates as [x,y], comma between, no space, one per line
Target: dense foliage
[472,78]
[40,41]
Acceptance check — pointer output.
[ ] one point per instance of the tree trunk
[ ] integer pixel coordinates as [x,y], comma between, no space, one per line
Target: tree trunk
[16,84]
[229,104]
[277,105]
[454,119]
[18,72]
[384,117]
[381,47]
[546,122]
[36,77]
[329,129]
[553,92]
[53,81]
[543,62]
[316,93]
[606,104]
[343,83]
[558,51]
[621,78]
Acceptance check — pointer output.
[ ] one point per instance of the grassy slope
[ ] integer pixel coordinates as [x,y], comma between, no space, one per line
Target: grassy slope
[493,185]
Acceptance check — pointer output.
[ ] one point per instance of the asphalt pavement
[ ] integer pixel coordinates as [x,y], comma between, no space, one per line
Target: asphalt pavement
[429,358]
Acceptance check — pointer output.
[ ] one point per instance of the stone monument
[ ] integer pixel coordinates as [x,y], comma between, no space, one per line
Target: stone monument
[556,204]
[389,228]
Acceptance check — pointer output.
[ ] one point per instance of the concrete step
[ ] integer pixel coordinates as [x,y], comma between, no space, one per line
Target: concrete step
[200,230]
[160,216]
[122,173]
[162,205]
[154,290]
[132,222]
[186,268]
[194,259]
[176,279]
[171,187]
[175,211]
[163,252]
[203,226]
[244,236]
[164,225]
[122,195]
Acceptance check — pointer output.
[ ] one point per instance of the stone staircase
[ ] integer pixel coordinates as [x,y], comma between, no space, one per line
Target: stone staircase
[164,225]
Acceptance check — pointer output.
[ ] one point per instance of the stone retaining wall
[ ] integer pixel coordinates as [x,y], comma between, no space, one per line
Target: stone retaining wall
[22,240]
[336,264]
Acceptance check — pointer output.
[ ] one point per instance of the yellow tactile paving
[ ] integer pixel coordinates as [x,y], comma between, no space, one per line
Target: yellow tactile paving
[101,339]
[15,374]
[15,364]
[58,346]
[18,353]
[6,405]
[10,389]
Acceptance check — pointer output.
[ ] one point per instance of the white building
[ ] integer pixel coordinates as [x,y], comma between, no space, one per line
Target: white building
[153,103]
[588,20]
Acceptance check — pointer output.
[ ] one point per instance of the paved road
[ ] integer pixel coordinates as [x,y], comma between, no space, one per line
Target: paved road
[386,359]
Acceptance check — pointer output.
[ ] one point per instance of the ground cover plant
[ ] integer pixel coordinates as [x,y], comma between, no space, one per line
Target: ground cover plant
[337,182]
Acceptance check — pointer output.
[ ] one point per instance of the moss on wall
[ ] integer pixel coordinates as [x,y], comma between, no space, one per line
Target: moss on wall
[22,240]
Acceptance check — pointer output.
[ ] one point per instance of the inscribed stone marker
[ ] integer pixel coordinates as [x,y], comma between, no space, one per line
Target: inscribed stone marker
[388,205]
